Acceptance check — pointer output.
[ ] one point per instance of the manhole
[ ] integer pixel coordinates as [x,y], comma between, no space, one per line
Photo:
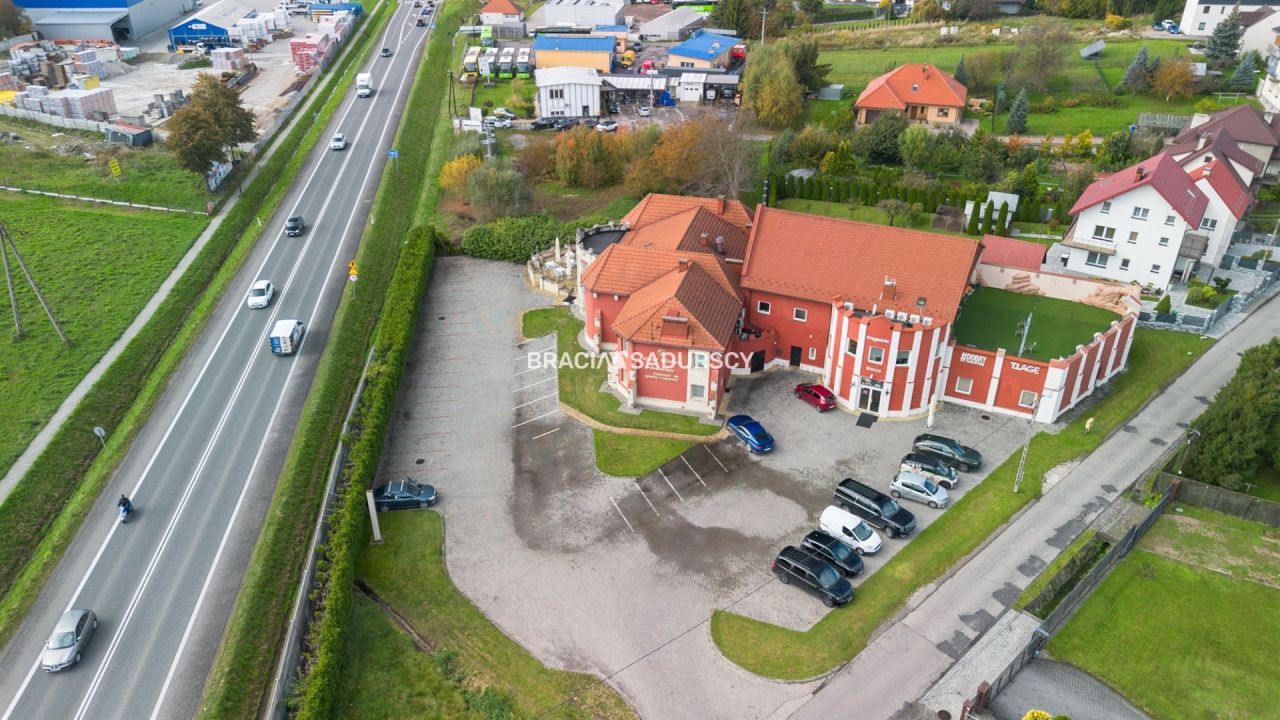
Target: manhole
[984,416]
[419,461]
[439,317]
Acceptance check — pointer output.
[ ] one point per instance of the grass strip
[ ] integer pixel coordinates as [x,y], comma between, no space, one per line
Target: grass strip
[238,685]
[1051,570]
[1155,360]
[42,514]
[632,455]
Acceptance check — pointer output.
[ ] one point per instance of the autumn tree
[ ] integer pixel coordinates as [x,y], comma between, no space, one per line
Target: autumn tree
[12,20]
[214,120]
[455,173]
[1041,54]
[1173,78]
[770,88]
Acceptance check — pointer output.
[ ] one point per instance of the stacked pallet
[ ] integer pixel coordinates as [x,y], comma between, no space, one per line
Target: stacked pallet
[29,99]
[228,59]
[337,26]
[86,61]
[309,53]
[8,81]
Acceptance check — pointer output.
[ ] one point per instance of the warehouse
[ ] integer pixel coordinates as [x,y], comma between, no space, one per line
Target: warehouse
[675,26]
[568,92]
[567,51]
[211,26]
[582,13]
[115,20]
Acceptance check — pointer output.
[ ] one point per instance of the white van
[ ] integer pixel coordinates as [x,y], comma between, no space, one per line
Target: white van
[285,337]
[851,530]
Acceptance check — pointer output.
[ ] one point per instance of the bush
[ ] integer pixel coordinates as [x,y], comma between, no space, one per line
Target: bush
[456,172]
[1165,305]
[516,239]
[496,188]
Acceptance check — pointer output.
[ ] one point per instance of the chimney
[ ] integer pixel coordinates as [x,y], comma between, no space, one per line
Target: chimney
[683,265]
[702,242]
[1202,141]
[890,291]
[720,244]
[720,205]
[1141,173]
[1268,117]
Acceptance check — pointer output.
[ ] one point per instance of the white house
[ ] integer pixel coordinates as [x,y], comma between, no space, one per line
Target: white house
[1229,200]
[582,13]
[1259,29]
[1140,224]
[1204,147]
[501,12]
[1255,131]
[1200,17]
[568,92]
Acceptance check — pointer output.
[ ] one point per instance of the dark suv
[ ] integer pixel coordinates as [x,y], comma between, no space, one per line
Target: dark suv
[875,507]
[294,226]
[932,467]
[808,570]
[543,124]
[960,457]
[834,552]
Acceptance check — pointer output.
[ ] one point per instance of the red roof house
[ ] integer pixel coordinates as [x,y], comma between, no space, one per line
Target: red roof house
[920,91]
[1161,173]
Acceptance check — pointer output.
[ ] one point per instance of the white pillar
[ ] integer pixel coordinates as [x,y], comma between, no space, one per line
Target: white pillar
[373,517]
[995,379]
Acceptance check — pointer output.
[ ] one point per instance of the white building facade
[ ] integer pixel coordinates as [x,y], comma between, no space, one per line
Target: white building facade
[568,92]
[1134,237]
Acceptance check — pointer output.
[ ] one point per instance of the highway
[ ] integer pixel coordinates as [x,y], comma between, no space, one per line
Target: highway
[202,471]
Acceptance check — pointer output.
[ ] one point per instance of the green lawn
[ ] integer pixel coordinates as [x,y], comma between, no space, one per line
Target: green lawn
[500,92]
[1183,643]
[861,213]
[1156,358]
[408,572]
[96,267]
[1266,485]
[989,319]
[633,456]
[1052,569]
[1224,543]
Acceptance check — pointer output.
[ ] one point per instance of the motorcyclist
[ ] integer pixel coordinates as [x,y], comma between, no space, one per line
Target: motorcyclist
[125,504]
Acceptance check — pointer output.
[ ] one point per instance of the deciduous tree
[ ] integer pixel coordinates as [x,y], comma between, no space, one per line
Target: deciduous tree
[1239,432]
[1173,78]
[214,120]
[12,20]
[455,173]
[497,189]
[770,89]
[1042,53]
[894,208]
[878,142]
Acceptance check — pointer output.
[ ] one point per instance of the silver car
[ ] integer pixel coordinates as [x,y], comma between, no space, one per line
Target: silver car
[915,486]
[70,637]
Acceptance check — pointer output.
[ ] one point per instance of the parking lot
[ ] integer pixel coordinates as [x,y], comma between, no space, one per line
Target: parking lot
[619,576]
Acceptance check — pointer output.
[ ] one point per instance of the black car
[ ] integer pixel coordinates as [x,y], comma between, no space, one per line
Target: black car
[294,226]
[834,552]
[960,457]
[565,123]
[386,52]
[875,507]
[614,109]
[543,124]
[932,467]
[404,494]
[810,571]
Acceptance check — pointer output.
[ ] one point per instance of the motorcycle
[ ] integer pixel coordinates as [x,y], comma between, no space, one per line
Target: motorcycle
[125,509]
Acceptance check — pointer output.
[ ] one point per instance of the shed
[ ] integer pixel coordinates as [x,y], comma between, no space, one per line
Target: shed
[211,26]
[831,92]
[691,87]
[127,134]
[674,26]
[1093,51]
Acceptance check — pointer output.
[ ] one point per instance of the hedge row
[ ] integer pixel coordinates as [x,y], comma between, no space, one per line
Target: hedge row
[43,512]
[841,13]
[335,586]
[515,239]
[842,190]
[238,685]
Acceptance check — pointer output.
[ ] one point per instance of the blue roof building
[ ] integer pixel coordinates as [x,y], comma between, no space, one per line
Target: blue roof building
[703,50]
[610,28]
[562,43]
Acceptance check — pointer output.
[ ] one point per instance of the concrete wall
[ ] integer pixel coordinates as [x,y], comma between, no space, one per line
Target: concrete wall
[1116,297]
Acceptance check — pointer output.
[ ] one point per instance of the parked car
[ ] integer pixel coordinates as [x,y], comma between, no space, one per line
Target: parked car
[850,530]
[958,456]
[644,111]
[607,125]
[841,556]
[404,494]
[504,113]
[635,46]
[565,123]
[543,124]
[295,226]
[260,294]
[757,439]
[914,486]
[339,142]
[496,122]
[386,52]
[70,637]
[817,396]
[613,109]
[816,576]
[931,467]
[878,509]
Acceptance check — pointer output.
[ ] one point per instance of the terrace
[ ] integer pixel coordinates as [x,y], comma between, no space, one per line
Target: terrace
[991,319]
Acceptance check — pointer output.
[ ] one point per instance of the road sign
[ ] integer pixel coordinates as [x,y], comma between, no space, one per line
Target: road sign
[393,153]
[115,167]
[351,268]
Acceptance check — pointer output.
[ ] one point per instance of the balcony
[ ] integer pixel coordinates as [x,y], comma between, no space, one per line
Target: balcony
[1081,241]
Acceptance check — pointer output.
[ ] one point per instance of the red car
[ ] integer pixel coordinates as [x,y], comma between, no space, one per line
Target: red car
[817,396]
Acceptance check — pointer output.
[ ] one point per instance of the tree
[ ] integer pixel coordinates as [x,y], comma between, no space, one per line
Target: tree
[1136,75]
[455,173]
[223,103]
[894,208]
[878,142]
[1041,54]
[959,74]
[1173,78]
[1239,432]
[202,130]
[981,69]
[728,159]
[802,50]
[736,14]
[915,145]
[1224,43]
[496,189]
[1002,219]
[1028,183]
[1165,306]
[1116,151]
[1018,113]
[812,144]
[770,88]
[1078,178]
[928,11]
[1243,78]
[12,20]
[812,6]
[972,227]
[840,162]
[988,217]
[974,9]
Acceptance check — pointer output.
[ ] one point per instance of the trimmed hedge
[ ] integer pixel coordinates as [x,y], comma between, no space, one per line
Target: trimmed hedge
[866,192]
[42,514]
[515,239]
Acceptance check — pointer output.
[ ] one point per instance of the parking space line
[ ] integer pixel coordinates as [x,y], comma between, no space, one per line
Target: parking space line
[673,487]
[544,397]
[645,495]
[526,422]
[535,437]
[527,371]
[695,472]
[624,517]
[713,457]
[526,387]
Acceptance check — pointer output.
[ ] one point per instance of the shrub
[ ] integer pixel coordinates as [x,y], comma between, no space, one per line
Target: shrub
[456,172]
[1118,22]
[496,188]
[1222,283]
[1165,306]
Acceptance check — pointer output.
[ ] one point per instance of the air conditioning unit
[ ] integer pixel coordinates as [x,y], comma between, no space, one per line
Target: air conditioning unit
[900,316]
[927,321]
[914,319]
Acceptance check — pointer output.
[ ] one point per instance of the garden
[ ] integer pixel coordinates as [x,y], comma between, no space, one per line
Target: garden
[992,319]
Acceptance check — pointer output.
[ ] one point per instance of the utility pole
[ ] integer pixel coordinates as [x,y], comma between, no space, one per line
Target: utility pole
[7,245]
[764,13]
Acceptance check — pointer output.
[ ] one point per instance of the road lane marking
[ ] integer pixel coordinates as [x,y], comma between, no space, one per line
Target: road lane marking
[544,397]
[713,457]
[624,517]
[526,387]
[673,487]
[535,437]
[695,472]
[645,495]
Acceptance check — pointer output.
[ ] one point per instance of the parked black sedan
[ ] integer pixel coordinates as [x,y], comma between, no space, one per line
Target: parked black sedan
[950,452]
[404,494]
[543,124]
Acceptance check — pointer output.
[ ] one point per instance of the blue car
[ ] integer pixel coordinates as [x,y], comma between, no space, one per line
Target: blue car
[752,433]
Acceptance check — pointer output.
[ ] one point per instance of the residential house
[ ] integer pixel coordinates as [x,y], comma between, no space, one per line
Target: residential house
[1200,17]
[1259,29]
[553,51]
[1204,147]
[702,50]
[919,91]
[501,12]
[1255,131]
[1229,201]
[567,91]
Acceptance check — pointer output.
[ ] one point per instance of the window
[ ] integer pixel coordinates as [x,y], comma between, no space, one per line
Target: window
[699,360]
[1209,224]
[1170,220]
[1155,268]
[964,386]
[944,112]
[813,353]
[1141,213]
[875,355]
[904,357]
[1096,259]
[1200,27]
[1102,232]
[1133,237]
[763,307]
[697,391]
[852,347]
[1027,399]
[556,93]
[1106,208]
[1164,242]
[1124,263]
[685,63]
[800,315]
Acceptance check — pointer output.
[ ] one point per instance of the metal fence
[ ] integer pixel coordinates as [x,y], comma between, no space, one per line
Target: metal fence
[1220,499]
[55,120]
[1240,302]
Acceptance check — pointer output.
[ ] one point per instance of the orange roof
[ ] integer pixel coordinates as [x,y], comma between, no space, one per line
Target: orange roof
[504,7]
[656,206]
[624,269]
[820,258]
[912,84]
[685,307]
[693,230]
[1008,252]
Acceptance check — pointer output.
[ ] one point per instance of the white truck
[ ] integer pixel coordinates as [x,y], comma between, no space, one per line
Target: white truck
[364,84]
[285,337]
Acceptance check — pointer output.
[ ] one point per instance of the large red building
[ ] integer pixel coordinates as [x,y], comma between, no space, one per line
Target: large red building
[699,289]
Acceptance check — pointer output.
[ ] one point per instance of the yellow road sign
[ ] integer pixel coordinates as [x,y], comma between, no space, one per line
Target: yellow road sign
[115,167]
[351,268]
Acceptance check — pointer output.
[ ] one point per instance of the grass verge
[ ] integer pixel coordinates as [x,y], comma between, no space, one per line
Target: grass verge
[43,513]
[408,572]
[1156,358]
[1037,586]
[632,456]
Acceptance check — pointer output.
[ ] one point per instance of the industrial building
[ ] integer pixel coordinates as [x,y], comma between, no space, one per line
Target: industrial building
[211,26]
[568,92]
[115,20]
[572,51]
[582,13]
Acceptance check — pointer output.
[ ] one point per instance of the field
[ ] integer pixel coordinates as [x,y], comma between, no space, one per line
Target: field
[990,317]
[96,267]
[1186,626]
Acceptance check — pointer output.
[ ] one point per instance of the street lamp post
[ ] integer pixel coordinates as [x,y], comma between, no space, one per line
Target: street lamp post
[1192,434]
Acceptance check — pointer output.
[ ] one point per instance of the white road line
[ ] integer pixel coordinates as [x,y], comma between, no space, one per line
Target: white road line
[695,472]
[624,517]
[645,495]
[532,369]
[526,422]
[544,397]
[526,387]
[713,457]
[535,437]
[673,487]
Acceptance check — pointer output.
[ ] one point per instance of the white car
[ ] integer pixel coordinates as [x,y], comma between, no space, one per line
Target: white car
[914,486]
[645,111]
[504,113]
[496,122]
[851,530]
[607,125]
[339,142]
[260,294]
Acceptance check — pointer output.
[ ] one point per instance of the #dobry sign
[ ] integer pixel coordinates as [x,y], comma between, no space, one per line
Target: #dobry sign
[973,359]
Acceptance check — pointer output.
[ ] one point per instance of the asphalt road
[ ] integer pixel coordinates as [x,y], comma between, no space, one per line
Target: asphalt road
[203,470]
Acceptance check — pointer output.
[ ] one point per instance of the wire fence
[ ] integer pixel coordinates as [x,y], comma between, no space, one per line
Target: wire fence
[104,201]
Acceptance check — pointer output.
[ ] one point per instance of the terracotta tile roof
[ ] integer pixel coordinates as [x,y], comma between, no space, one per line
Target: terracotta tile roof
[1226,184]
[1163,174]
[656,206]
[504,7]
[693,230]
[1246,123]
[624,269]
[1219,143]
[1008,252]
[686,307]
[819,258]
[912,84]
